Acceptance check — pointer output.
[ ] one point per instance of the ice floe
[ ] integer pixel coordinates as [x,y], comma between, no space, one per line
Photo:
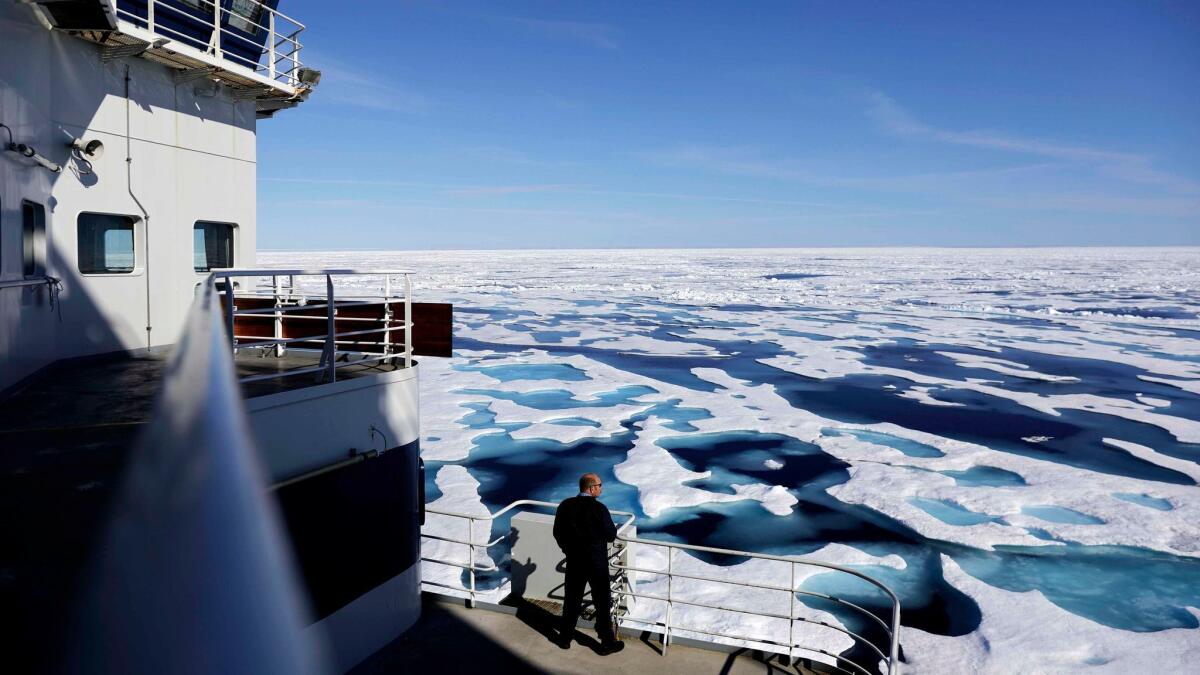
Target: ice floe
[1026,633]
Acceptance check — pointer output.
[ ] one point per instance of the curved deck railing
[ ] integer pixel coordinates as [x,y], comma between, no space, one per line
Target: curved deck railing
[248,34]
[623,590]
[280,301]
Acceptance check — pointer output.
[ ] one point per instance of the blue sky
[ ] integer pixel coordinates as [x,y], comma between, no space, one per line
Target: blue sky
[763,124]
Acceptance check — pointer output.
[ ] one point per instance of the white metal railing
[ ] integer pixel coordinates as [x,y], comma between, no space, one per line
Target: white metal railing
[283,296]
[53,285]
[52,282]
[281,44]
[623,590]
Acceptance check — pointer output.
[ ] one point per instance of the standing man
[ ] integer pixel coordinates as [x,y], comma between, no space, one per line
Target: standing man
[583,528]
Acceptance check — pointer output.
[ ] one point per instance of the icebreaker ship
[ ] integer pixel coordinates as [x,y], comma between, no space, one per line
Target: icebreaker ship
[206,467]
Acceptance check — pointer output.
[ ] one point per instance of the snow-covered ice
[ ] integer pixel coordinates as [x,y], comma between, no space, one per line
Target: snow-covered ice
[1008,438]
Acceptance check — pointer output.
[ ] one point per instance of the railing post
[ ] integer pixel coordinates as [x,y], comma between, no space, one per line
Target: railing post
[229,312]
[294,78]
[670,605]
[271,40]
[471,559]
[150,14]
[216,39]
[792,615]
[330,346]
[894,651]
[277,289]
[408,327]
[387,316]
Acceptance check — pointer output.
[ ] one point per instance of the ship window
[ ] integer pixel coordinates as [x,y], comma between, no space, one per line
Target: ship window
[33,239]
[245,15]
[212,245]
[105,244]
[202,5]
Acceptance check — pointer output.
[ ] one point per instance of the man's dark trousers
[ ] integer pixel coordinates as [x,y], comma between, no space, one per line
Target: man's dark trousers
[589,568]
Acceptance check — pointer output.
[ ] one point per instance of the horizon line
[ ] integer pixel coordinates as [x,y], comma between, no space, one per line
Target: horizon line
[740,248]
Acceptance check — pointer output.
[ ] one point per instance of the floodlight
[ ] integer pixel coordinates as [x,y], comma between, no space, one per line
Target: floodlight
[93,149]
[309,76]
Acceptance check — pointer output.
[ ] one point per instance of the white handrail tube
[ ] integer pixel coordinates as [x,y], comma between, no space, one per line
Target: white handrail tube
[339,349]
[893,632]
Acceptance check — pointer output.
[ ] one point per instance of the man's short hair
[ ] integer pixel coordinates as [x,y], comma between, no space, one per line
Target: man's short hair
[587,480]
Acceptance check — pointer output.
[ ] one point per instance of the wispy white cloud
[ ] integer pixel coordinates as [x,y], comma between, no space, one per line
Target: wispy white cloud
[352,181]
[704,198]
[894,119]
[1064,177]
[746,162]
[500,190]
[591,33]
[346,85]
[1170,207]
[477,154]
[503,190]
[599,35]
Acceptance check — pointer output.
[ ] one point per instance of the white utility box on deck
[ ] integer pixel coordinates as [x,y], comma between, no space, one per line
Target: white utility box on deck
[538,565]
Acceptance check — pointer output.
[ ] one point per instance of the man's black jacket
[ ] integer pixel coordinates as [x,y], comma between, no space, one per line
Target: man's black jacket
[584,527]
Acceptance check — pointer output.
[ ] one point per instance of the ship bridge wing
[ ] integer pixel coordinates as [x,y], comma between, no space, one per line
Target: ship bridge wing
[247,45]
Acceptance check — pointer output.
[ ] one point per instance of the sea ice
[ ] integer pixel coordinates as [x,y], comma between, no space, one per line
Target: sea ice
[1025,633]
[1103,338]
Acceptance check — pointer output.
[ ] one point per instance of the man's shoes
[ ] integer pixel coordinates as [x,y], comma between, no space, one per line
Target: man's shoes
[613,647]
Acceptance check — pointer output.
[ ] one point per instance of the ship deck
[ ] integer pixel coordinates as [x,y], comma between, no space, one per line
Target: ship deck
[65,438]
[450,638]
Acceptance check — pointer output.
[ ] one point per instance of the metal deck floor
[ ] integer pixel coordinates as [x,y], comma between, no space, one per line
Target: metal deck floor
[450,638]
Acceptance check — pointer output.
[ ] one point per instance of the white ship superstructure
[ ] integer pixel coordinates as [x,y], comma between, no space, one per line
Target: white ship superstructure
[164,158]
[127,247]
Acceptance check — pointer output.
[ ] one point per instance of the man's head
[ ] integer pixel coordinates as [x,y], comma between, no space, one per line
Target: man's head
[589,483]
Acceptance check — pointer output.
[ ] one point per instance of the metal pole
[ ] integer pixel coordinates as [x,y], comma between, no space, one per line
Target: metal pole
[294,78]
[216,39]
[331,333]
[894,656]
[408,327]
[471,559]
[792,615]
[277,288]
[271,40]
[387,316]
[150,14]
[229,312]
[670,605]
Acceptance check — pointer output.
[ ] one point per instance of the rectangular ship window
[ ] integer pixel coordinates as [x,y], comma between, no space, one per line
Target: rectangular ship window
[212,245]
[33,239]
[105,243]
[202,5]
[246,15]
